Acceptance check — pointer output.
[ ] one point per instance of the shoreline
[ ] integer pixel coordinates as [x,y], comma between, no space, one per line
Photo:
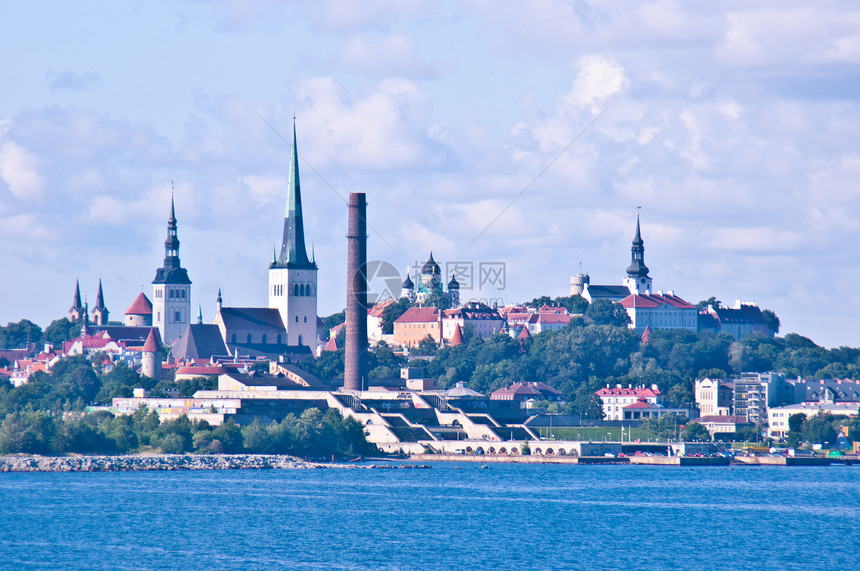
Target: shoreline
[172,462]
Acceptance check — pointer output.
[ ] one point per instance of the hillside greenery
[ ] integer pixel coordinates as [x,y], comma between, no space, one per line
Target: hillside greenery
[49,415]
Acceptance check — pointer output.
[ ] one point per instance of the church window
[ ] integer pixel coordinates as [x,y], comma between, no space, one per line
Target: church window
[297,318]
[178,317]
[300,340]
[302,289]
[306,319]
[183,294]
[170,294]
[296,290]
[264,338]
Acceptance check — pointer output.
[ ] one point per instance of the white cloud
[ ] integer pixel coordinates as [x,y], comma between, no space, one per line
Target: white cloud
[598,77]
[19,168]
[381,129]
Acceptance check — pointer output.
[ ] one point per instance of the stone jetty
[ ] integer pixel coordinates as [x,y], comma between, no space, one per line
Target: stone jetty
[165,462]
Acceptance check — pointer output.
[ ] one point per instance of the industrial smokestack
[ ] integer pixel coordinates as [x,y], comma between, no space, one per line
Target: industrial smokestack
[355,373]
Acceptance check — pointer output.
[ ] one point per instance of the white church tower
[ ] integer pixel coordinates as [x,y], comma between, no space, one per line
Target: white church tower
[292,275]
[171,288]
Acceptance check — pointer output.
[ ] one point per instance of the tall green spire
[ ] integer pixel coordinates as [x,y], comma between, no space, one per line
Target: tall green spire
[294,253]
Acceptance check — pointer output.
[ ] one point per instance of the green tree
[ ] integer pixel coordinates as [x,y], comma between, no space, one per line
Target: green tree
[60,330]
[20,334]
[605,312]
[819,430]
[427,346]
[694,431]
[771,320]
[333,320]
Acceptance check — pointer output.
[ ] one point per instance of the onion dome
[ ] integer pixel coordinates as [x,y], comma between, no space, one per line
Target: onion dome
[453,284]
[431,268]
[407,283]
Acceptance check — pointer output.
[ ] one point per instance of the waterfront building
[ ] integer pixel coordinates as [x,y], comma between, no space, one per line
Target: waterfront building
[723,424]
[777,417]
[714,396]
[615,399]
[754,393]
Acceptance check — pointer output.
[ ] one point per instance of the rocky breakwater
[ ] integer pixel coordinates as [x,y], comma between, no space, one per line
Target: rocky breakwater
[146,462]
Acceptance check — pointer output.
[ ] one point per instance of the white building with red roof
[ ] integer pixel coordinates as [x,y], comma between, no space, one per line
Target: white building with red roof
[615,399]
[660,311]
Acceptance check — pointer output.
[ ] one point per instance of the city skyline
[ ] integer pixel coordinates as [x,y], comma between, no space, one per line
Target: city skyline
[525,134]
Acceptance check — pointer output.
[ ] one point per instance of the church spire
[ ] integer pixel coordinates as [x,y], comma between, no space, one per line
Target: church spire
[100,298]
[294,253]
[637,267]
[172,272]
[77,306]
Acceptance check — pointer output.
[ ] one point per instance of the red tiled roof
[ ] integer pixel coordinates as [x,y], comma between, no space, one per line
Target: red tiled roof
[651,301]
[457,337]
[419,315]
[151,345]
[140,306]
[553,318]
[378,309]
[616,392]
[642,403]
[524,333]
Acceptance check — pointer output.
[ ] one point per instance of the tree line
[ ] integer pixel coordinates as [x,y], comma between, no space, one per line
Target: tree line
[49,415]
[313,434]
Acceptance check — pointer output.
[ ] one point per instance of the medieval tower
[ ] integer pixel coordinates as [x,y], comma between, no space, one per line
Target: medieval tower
[292,275]
[171,288]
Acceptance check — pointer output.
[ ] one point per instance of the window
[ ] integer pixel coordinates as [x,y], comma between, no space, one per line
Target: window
[249,337]
[178,317]
[233,339]
[183,294]
[264,338]
[279,338]
[306,319]
[170,294]
[296,290]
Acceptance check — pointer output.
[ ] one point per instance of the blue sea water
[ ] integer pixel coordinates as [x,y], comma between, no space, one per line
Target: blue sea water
[452,516]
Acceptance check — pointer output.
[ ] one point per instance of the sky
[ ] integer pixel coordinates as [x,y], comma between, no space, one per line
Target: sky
[517,139]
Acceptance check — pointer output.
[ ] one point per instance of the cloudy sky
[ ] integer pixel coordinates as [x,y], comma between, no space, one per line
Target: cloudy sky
[520,132]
